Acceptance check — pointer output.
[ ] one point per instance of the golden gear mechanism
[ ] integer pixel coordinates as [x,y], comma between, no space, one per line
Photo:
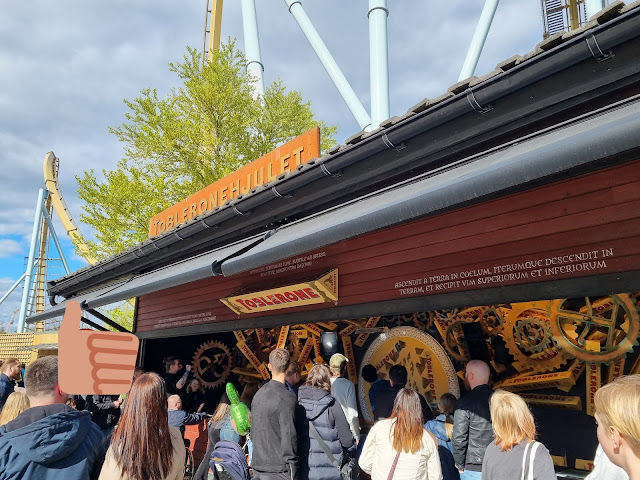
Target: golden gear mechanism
[212,363]
[596,331]
[528,337]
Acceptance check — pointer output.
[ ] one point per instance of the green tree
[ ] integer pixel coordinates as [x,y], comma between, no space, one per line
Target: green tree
[177,145]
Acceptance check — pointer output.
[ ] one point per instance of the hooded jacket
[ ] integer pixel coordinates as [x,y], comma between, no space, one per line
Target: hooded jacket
[51,442]
[321,408]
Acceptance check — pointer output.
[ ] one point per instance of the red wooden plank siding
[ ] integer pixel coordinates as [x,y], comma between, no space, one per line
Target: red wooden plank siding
[597,211]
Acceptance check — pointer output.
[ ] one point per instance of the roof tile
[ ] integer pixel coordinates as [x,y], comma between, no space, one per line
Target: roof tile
[608,13]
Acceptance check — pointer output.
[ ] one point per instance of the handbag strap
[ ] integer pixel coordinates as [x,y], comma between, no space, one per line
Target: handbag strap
[393,467]
[527,460]
[323,445]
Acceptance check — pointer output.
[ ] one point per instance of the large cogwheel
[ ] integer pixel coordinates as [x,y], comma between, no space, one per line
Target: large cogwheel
[596,330]
[527,335]
[212,363]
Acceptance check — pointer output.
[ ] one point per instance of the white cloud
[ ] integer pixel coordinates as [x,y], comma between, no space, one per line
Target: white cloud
[9,248]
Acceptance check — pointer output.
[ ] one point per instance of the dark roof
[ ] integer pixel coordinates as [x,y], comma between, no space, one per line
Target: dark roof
[564,76]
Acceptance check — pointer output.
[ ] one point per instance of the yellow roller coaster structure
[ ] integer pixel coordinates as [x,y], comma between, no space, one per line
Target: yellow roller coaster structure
[51,165]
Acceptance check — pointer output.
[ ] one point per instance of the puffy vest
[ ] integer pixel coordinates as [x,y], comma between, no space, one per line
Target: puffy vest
[316,404]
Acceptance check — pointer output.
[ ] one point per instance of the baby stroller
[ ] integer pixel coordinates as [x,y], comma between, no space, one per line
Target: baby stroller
[229,462]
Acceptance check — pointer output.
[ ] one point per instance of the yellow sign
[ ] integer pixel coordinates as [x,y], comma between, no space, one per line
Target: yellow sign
[285,158]
[429,368]
[324,289]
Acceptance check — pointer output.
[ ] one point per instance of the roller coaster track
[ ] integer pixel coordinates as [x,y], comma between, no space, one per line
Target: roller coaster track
[51,164]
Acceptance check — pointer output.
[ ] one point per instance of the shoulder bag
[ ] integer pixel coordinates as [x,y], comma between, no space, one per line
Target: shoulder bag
[527,460]
[348,471]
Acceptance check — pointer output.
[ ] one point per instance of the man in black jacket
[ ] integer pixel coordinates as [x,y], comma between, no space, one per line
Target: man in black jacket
[273,425]
[384,400]
[105,411]
[472,430]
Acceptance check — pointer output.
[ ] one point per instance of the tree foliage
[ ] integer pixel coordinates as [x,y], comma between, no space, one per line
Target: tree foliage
[176,145]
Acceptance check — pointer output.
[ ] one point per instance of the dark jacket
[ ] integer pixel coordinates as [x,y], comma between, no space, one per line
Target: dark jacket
[6,388]
[51,442]
[103,410]
[472,430]
[180,418]
[273,430]
[321,408]
[384,404]
[192,402]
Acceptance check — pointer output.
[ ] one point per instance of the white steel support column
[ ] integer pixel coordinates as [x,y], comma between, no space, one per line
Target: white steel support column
[592,7]
[378,61]
[37,221]
[479,37]
[252,46]
[330,65]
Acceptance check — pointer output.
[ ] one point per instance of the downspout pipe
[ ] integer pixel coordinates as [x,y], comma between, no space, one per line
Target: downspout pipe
[330,65]
[255,68]
[35,234]
[592,7]
[378,61]
[479,37]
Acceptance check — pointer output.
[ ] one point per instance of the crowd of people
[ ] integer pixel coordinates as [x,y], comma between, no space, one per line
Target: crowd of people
[307,431]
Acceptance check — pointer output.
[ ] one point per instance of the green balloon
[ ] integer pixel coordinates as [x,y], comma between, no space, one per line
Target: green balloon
[239,411]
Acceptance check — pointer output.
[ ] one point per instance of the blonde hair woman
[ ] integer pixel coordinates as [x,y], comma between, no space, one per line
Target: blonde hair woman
[617,414]
[514,446]
[402,438]
[16,403]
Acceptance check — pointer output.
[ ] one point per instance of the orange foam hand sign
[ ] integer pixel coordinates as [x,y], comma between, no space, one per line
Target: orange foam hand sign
[93,362]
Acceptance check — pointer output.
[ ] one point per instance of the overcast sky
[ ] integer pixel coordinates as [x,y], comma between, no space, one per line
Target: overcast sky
[67,66]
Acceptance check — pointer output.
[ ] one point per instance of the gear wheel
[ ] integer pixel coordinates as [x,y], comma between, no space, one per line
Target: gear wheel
[533,334]
[492,320]
[454,341]
[612,321]
[521,314]
[212,363]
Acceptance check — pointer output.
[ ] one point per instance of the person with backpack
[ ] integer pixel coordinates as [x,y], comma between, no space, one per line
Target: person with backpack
[323,429]
[442,429]
[514,454]
[218,428]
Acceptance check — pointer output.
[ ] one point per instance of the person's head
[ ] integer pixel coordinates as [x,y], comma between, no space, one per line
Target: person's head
[143,431]
[338,365]
[137,372]
[172,364]
[369,373]
[447,403]
[617,413]
[408,427]
[15,404]
[279,360]
[195,385]
[41,382]
[248,392]
[293,373]
[72,402]
[511,418]
[476,373]
[398,376]
[174,402]
[12,368]
[222,410]
[319,377]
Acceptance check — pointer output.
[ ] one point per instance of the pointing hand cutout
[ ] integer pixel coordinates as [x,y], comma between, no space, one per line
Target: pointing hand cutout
[93,362]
